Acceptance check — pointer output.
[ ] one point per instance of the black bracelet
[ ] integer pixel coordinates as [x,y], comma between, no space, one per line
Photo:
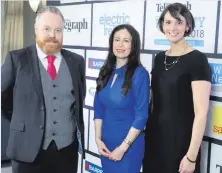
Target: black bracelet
[191,160]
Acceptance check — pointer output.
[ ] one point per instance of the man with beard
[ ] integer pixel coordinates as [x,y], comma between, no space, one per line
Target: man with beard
[43,88]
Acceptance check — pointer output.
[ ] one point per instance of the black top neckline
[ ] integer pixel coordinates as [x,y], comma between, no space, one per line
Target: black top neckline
[180,55]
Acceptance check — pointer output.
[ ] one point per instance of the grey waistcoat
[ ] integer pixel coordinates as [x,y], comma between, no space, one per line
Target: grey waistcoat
[60,125]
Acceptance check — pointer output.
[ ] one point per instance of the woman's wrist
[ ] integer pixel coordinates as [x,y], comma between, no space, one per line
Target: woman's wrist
[124,146]
[191,158]
[98,139]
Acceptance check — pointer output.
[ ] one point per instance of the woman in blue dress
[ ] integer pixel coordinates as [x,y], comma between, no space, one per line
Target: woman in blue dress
[121,104]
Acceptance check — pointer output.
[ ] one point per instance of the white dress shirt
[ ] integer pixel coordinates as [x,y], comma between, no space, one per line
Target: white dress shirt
[42,56]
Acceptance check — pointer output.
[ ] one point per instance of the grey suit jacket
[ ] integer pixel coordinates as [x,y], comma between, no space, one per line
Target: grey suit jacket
[23,100]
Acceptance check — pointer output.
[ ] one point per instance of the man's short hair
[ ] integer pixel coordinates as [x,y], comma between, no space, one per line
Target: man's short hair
[50,9]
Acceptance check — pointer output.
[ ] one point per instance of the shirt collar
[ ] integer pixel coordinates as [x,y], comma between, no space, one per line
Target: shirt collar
[42,55]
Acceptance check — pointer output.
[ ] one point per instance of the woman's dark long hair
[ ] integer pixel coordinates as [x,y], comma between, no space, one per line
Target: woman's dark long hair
[133,60]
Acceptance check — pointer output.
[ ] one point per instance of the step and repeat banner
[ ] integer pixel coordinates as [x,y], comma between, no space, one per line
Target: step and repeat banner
[87,29]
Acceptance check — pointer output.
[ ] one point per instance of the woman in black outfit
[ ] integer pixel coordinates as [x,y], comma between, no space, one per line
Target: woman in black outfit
[181,83]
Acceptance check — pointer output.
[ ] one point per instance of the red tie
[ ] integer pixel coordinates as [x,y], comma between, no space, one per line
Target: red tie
[51,67]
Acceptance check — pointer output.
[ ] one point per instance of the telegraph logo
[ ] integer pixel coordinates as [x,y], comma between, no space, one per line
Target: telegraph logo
[94,63]
[217,120]
[79,25]
[92,168]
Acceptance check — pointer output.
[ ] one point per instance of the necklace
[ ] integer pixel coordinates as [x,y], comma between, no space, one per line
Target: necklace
[168,66]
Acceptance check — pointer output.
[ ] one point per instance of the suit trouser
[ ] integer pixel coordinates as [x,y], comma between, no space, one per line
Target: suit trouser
[51,160]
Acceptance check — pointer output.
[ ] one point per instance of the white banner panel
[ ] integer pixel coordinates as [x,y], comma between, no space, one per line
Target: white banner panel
[146,60]
[219,49]
[90,92]
[216,159]
[94,61]
[92,164]
[214,120]
[216,68]
[77,27]
[202,38]
[110,14]
[92,144]
[78,51]
[204,156]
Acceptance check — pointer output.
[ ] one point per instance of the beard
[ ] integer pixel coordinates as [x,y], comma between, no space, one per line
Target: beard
[48,48]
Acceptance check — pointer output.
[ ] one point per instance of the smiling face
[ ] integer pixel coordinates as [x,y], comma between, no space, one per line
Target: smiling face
[122,44]
[49,33]
[174,29]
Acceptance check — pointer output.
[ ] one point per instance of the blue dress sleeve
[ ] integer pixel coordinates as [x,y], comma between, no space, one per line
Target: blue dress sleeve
[98,108]
[141,92]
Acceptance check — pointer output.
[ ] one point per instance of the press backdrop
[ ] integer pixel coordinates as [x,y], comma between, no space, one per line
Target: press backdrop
[87,28]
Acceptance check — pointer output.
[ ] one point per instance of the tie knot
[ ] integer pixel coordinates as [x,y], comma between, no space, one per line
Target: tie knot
[50,59]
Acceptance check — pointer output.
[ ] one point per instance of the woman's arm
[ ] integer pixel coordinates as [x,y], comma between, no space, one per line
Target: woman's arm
[201,94]
[98,127]
[98,120]
[141,93]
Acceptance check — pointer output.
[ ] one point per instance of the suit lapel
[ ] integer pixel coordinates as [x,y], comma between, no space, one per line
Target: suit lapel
[34,64]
